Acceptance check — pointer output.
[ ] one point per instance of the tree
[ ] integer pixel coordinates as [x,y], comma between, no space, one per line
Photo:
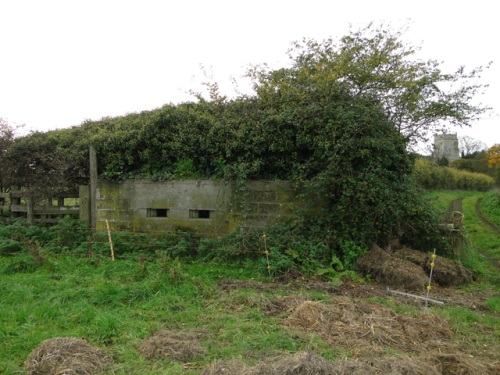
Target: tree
[476,162]
[493,155]
[417,96]
[469,146]
[6,140]
[43,165]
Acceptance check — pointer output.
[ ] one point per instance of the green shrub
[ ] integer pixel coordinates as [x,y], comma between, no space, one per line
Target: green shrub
[8,246]
[69,235]
[20,264]
[432,176]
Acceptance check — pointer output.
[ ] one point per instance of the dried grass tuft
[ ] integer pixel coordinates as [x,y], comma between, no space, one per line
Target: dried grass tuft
[447,272]
[172,346]
[461,364]
[67,356]
[300,363]
[386,365]
[392,271]
[229,367]
[284,305]
[367,329]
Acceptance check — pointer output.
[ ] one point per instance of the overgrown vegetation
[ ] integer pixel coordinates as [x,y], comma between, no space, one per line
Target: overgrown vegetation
[490,207]
[482,254]
[337,122]
[432,176]
[218,311]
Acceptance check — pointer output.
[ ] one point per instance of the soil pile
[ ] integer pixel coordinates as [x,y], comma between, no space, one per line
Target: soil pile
[391,271]
[66,356]
[447,272]
[409,269]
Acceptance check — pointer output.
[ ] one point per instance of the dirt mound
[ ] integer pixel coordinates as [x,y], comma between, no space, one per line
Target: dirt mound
[393,272]
[66,356]
[409,269]
[447,272]
[173,346]
[366,329]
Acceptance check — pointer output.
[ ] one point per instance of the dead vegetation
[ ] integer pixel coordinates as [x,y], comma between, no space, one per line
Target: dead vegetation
[409,269]
[284,305]
[308,363]
[67,356]
[447,272]
[367,329]
[377,339]
[300,363]
[174,346]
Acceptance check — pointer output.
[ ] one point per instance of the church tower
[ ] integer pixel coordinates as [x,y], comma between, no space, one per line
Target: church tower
[446,145]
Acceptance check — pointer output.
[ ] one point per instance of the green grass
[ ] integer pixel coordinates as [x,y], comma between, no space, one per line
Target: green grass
[490,207]
[482,245]
[493,304]
[117,305]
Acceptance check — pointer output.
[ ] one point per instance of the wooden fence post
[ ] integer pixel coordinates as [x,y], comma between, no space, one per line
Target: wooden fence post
[93,187]
[29,211]
[110,241]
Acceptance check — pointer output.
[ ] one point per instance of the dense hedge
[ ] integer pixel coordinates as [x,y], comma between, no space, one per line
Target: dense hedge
[340,149]
[431,176]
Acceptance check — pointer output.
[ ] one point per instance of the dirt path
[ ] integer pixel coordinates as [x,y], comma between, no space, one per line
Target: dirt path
[479,213]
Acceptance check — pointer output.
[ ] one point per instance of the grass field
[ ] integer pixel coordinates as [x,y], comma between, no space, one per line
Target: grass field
[482,244]
[236,312]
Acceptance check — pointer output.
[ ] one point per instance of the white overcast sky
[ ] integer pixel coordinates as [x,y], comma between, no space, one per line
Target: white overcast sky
[65,61]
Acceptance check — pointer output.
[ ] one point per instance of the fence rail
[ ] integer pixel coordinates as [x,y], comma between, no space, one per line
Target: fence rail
[16,204]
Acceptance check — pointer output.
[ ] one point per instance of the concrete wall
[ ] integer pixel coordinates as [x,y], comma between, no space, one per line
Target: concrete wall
[211,208]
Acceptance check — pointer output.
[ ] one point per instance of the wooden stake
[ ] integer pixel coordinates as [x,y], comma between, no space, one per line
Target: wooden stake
[414,296]
[110,241]
[93,188]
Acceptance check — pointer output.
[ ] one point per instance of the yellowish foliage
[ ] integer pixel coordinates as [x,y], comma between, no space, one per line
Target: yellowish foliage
[493,155]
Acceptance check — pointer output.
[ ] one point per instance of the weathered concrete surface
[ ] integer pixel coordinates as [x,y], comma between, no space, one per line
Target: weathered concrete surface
[211,208]
[446,145]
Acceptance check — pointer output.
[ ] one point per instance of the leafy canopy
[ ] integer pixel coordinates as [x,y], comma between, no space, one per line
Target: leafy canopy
[6,140]
[337,122]
[417,96]
[493,155]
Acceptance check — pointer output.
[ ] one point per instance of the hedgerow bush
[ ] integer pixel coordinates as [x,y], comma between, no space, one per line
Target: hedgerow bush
[431,176]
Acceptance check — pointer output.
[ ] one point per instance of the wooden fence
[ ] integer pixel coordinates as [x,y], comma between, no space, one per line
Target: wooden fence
[17,205]
[4,198]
